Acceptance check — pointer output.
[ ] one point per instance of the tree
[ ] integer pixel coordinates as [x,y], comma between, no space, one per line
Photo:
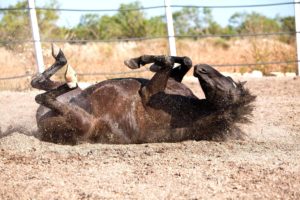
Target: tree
[87,27]
[287,24]
[194,21]
[15,24]
[187,21]
[133,22]
[128,22]
[155,26]
[253,23]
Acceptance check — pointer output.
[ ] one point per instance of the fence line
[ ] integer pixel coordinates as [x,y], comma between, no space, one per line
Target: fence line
[15,77]
[154,7]
[151,38]
[236,6]
[236,35]
[99,10]
[254,64]
[83,10]
[146,70]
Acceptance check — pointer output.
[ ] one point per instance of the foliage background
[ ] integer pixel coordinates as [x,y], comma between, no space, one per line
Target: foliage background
[134,23]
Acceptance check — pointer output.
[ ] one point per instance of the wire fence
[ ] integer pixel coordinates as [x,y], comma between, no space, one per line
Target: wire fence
[242,35]
[146,69]
[154,7]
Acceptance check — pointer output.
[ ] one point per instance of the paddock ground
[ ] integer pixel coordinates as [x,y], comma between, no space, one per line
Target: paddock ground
[265,165]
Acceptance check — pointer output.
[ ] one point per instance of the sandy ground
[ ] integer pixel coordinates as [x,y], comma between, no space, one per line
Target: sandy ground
[266,165]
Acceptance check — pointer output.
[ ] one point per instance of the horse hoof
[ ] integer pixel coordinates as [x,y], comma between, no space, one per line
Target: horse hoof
[132,63]
[71,77]
[55,50]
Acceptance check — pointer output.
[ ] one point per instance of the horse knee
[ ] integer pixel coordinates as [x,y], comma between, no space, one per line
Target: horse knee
[38,81]
[34,83]
[187,62]
[44,99]
[40,98]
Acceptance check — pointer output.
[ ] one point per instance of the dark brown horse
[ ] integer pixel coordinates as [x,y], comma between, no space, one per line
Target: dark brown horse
[135,110]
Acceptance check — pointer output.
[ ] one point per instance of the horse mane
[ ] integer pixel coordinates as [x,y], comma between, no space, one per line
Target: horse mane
[226,119]
[242,109]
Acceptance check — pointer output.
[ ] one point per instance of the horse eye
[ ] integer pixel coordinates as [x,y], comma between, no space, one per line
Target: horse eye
[203,71]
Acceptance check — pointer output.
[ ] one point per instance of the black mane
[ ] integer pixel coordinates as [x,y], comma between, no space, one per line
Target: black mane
[226,120]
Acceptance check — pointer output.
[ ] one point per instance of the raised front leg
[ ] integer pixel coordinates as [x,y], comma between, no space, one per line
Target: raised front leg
[42,81]
[162,65]
[176,73]
[180,71]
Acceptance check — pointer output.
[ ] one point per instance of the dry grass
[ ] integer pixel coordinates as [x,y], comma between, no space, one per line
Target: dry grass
[109,57]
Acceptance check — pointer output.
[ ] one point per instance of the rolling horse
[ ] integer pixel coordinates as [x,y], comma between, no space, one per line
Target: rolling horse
[137,110]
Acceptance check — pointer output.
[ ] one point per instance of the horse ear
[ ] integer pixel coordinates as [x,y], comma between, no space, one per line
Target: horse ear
[233,82]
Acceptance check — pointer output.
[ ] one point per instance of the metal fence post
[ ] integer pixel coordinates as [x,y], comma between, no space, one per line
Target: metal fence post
[36,36]
[297,25]
[171,35]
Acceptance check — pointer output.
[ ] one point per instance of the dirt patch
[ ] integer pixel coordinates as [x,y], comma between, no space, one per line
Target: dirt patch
[264,165]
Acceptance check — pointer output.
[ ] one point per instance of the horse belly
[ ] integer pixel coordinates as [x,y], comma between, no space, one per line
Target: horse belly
[120,107]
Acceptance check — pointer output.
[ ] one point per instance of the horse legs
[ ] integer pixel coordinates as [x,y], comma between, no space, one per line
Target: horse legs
[42,81]
[163,66]
[176,73]
[74,114]
[180,71]
[57,130]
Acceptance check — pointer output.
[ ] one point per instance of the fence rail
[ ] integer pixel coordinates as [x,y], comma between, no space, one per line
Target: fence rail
[153,7]
[146,69]
[237,6]
[151,38]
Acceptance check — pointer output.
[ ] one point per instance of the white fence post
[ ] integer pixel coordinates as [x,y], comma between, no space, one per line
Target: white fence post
[36,36]
[297,25]
[171,35]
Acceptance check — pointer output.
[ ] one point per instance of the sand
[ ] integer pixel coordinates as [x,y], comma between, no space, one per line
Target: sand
[265,165]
